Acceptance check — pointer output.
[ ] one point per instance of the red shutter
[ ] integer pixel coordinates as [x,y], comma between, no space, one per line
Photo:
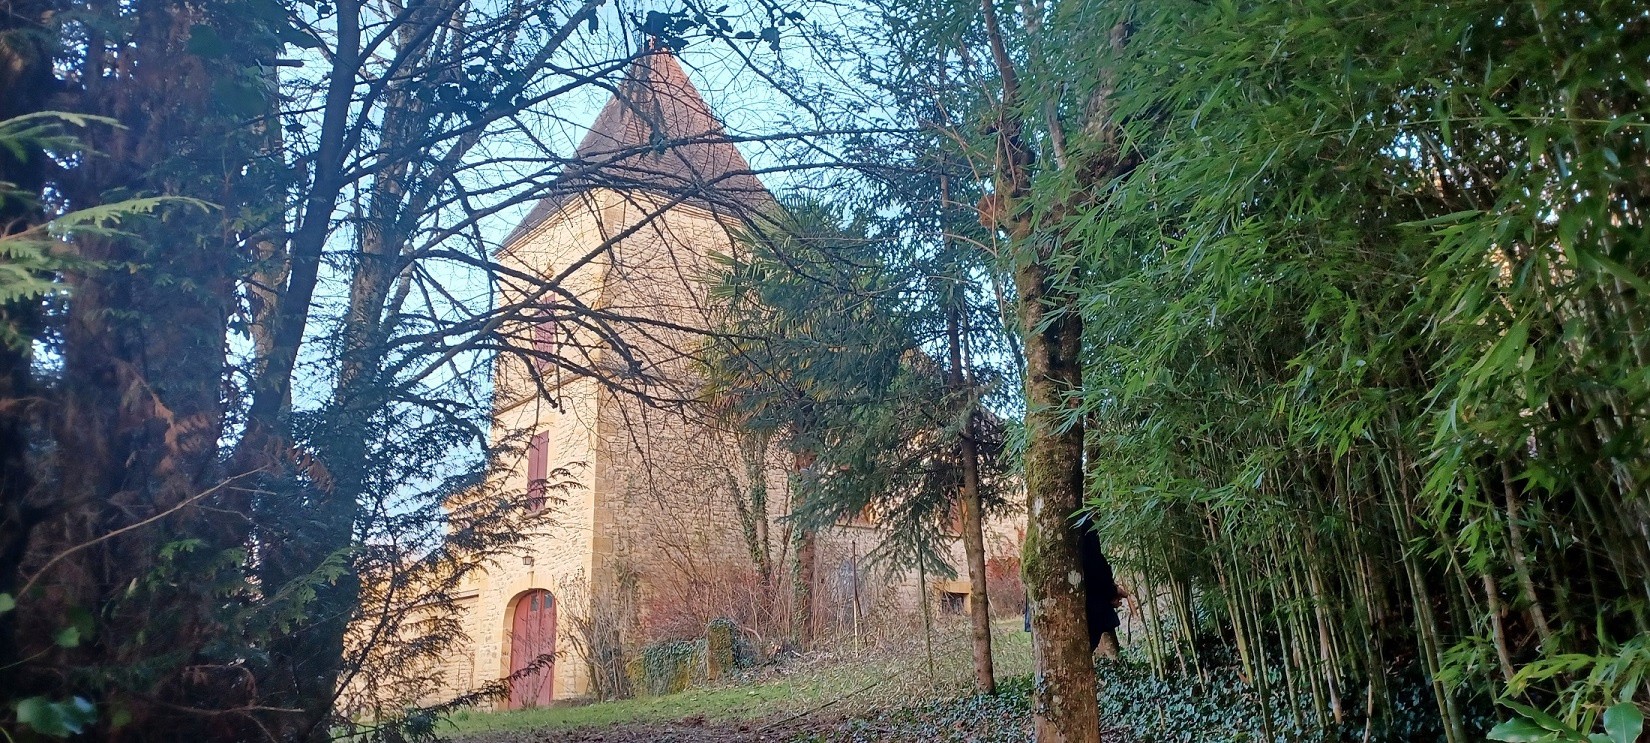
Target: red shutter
[542,345]
[538,464]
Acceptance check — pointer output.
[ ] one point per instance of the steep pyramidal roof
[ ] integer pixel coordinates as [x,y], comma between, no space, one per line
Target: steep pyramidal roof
[656,135]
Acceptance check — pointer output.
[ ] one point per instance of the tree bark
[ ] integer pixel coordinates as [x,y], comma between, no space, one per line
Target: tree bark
[26,76]
[804,620]
[138,414]
[1063,702]
[973,532]
[1064,707]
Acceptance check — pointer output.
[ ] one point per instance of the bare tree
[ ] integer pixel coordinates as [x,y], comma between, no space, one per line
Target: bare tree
[334,319]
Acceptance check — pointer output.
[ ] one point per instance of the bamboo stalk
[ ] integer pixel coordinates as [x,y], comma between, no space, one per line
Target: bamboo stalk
[1498,630]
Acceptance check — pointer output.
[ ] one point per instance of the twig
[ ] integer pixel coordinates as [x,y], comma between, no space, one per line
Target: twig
[122,530]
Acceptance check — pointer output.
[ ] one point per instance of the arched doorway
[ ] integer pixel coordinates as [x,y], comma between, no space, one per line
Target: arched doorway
[533,634]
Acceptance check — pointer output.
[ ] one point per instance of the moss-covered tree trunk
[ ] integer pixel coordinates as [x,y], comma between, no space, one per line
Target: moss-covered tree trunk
[147,525]
[1063,703]
[1064,707]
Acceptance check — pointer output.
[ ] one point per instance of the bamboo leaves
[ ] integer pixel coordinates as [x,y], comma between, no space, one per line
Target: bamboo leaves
[1365,329]
[1623,723]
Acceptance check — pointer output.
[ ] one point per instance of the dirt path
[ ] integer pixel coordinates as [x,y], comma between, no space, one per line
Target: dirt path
[979,725]
[690,730]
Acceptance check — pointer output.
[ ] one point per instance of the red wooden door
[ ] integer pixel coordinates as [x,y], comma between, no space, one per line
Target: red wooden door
[532,634]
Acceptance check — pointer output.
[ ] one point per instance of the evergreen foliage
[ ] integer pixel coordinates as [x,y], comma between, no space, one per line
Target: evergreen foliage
[823,342]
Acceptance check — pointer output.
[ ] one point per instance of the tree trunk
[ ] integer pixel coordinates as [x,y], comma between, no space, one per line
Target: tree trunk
[973,532]
[138,414]
[1064,708]
[1063,701]
[802,607]
[26,76]
[803,617]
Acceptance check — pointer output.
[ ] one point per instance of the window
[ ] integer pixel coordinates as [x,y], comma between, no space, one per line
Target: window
[953,603]
[538,465]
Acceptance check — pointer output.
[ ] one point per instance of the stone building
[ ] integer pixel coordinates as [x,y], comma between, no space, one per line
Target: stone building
[645,536]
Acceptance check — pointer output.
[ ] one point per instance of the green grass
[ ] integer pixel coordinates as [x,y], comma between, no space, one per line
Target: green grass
[843,682]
